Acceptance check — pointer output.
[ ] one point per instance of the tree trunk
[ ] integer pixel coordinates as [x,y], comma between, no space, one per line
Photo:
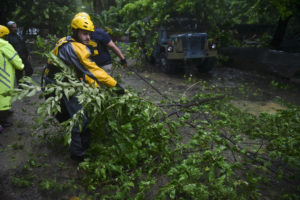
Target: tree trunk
[279,32]
[100,5]
[97,6]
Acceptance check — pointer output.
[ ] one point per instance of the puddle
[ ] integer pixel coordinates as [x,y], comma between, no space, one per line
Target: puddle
[257,107]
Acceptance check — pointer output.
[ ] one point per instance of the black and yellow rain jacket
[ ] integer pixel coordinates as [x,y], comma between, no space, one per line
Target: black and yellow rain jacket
[78,55]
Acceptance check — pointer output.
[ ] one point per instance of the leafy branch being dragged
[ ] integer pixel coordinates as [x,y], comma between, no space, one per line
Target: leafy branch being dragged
[135,143]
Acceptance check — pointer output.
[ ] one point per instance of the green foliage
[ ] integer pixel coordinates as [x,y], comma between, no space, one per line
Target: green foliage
[265,40]
[141,18]
[45,45]
[278,85]
[135,144]
[53,16]
[205,175]
[285,8]
[23,182]
[17,146]
[108,22]
[54,186]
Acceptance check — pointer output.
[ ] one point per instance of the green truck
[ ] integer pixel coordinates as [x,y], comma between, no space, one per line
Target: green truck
[181,44]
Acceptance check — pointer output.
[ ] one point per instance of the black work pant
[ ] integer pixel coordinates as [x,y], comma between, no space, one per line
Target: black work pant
[80,139]
[4,114]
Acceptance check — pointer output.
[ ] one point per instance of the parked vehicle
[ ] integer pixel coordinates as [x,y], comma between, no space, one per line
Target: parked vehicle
[180,44]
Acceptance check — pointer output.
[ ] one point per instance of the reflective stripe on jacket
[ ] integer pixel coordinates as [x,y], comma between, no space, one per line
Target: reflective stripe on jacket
[78,55]
[9,61]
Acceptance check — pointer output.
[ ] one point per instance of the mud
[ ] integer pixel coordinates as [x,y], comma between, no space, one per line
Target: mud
[25,151]
[257,107]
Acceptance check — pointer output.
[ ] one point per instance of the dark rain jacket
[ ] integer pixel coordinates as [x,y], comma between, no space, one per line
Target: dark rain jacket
[19,44]
[78,55]
[98,46]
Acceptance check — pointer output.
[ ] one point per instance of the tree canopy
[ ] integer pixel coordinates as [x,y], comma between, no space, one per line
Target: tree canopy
[53,15]
[142,17]
[218,17]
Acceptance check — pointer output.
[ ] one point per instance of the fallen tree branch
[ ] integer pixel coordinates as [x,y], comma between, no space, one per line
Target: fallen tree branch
[199,102]
[190,87]
[141,77]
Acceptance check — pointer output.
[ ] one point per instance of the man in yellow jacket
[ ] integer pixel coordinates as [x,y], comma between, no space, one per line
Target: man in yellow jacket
[74,52]
[99,45]
[9,61]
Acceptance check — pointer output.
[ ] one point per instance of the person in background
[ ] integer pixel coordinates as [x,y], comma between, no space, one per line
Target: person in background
[99,44]
[74,52]
[19,44]
[9,61]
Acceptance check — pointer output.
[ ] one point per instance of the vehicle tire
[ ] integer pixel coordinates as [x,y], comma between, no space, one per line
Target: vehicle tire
[156,56]
[206,65]
[164,63]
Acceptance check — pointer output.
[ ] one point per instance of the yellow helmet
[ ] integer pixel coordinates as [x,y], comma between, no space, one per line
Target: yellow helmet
[82,23]
[3,31]
[83,14]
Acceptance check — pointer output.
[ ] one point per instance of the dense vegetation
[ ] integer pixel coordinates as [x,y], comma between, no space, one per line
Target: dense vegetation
[138,145]
[267,20]
[195,147]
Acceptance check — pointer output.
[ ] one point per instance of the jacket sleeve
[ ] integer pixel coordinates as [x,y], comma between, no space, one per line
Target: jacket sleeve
[25,48]
[13,57]
[95,72]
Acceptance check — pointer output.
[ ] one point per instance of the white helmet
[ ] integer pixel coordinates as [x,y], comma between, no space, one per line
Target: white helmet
[10,23]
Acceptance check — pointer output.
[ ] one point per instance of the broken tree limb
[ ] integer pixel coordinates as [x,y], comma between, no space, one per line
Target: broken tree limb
[141,77]
[195,103]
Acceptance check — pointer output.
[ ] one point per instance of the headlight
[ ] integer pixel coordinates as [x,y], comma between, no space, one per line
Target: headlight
[170,49]
[213,43]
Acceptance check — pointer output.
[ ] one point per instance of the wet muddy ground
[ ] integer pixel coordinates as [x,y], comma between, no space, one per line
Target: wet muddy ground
[31,164]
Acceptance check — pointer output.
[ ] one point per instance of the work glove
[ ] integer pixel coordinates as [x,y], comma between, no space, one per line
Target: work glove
[119,89]
[124,62]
